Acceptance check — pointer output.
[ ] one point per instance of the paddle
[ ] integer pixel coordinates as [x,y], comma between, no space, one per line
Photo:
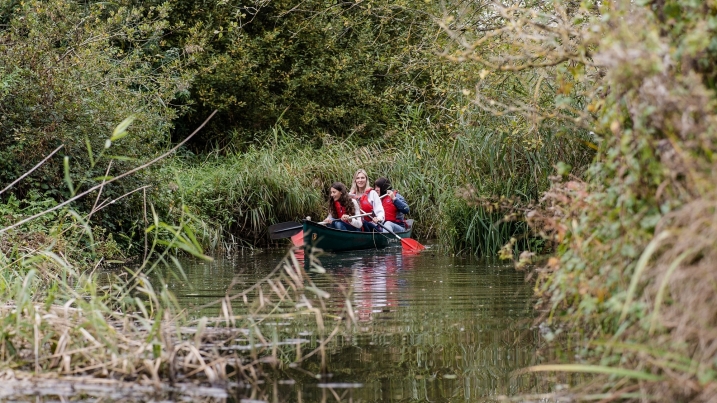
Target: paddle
[406,243]
[284,229]
[298,239]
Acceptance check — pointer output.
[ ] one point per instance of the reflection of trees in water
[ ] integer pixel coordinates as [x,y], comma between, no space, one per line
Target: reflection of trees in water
[453,331]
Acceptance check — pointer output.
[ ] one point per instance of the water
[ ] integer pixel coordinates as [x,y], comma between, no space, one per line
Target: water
[428,327]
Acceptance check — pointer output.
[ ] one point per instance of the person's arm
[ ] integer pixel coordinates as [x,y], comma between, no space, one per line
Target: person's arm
[357,221]
[377,206]
[400,203]
[328,218]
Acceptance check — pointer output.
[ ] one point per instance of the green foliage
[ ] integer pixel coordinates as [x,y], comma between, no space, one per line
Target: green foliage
[61,232]
[654,163]
[636,239]
[346,70]
[466,227]
[366,73]
[70,72]
[444,181]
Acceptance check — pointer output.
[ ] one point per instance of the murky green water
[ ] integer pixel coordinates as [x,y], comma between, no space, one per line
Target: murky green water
[429,327]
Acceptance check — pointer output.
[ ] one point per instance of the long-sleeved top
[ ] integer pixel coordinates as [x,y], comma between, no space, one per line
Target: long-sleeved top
[375,202]
[395,209]
[355,222]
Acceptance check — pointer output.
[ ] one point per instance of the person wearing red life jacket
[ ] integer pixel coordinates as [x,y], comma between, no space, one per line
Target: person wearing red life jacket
[394,205]
[368,200]
[341,209]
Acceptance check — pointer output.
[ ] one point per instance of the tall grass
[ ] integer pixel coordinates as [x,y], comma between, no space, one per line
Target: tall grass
[80,319]
[443,179]
[72,305]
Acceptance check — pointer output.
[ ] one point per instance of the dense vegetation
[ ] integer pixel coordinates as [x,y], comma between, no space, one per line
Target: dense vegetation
[289,82]
[592,121]
[305,95]
[635,235]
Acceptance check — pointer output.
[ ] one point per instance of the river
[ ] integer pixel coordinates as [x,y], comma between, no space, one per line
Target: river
[427,327]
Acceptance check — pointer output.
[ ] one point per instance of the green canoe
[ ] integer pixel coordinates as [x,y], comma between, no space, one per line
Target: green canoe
[335,240]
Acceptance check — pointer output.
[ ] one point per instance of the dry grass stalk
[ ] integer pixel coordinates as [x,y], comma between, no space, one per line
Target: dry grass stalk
[150,341]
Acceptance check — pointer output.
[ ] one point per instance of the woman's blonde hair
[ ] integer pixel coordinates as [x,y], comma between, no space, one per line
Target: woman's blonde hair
[354,189]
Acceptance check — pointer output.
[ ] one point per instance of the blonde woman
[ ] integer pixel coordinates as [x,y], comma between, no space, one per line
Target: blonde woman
[368,200]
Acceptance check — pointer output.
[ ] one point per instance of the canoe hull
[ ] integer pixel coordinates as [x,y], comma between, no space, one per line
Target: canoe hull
[334,240]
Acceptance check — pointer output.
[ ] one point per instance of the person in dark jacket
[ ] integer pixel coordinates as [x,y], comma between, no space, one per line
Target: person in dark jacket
[394,205]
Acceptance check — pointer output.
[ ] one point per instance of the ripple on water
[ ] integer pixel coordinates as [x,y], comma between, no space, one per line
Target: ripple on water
[428,327]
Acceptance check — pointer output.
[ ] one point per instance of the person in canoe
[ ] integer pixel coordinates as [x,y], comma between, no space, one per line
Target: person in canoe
[368,200]
[394,205]
[341,209]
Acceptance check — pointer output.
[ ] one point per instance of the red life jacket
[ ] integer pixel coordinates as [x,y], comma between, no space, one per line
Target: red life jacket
[389,209]
[365,205]
[340,210]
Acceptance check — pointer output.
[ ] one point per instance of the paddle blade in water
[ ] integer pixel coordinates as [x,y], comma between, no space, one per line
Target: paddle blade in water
[298,239]
[411,245]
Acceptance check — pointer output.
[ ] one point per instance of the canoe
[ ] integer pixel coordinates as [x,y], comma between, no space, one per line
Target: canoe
[335,240]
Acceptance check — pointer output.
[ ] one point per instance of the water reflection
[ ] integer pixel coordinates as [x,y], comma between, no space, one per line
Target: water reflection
[377,284]
[427,327]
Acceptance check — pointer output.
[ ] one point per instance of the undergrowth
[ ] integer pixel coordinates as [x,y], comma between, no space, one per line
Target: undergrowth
[632,282]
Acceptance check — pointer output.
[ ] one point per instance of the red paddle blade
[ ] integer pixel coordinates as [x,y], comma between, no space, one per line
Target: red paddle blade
[298,239]
[411,245]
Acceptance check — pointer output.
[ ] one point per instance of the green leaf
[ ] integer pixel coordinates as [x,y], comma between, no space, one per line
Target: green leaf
[89,152]
[121,129]
[121,158]
[68,179]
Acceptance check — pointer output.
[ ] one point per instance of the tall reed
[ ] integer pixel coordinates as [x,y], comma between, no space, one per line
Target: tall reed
[443,180]
[72,304]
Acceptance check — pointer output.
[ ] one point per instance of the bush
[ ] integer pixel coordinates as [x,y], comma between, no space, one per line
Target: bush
[69,73]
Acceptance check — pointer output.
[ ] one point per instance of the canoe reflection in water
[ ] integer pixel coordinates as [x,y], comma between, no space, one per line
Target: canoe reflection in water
[376,284]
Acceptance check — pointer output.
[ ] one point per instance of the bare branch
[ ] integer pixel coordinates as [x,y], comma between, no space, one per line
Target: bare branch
[139,168]
[31,170]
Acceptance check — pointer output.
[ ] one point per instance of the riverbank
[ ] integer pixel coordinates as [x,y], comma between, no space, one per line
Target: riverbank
[459,190]
[63,324]
[633,278]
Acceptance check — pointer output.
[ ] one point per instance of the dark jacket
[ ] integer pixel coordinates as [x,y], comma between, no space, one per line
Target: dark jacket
[401,206]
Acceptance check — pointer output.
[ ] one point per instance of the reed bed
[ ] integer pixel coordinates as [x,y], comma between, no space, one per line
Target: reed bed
[445,180]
